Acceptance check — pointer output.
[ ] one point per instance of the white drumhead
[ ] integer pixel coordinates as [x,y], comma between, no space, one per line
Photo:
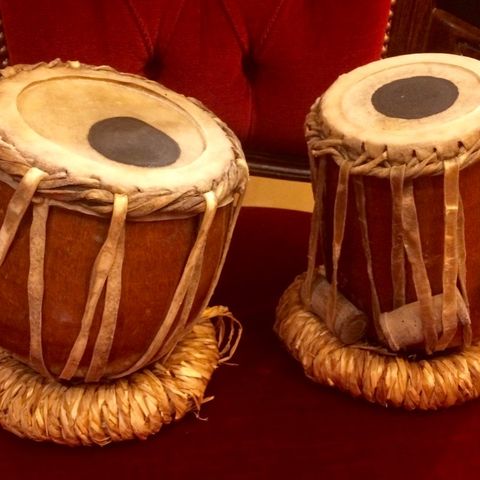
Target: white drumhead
[130,133]
[421,103]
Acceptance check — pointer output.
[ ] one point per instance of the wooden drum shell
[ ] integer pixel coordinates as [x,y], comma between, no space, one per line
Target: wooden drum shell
[353,279]
[155,257]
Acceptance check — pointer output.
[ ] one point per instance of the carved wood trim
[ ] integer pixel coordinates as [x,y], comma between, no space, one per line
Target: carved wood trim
[449,33]
[3,47]
[388,28]
[410,24]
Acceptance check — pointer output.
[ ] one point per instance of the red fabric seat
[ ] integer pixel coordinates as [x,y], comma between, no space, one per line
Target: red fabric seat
[268,421]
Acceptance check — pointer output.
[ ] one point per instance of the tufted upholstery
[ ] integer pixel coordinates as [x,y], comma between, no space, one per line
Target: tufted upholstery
[257,64]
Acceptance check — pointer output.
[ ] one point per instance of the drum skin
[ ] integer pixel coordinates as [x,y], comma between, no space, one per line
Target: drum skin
[352,274]
[155,256]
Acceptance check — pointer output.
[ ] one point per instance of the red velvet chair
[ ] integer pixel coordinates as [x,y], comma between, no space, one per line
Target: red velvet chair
[259,65]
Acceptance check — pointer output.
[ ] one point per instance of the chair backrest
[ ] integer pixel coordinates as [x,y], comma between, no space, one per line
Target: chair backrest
[259,65]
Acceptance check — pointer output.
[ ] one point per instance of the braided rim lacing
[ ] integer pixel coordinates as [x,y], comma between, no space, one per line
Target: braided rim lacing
[363,164]
[87,194]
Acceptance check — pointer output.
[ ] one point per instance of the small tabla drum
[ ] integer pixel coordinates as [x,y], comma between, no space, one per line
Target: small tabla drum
[394,149]
[118,199]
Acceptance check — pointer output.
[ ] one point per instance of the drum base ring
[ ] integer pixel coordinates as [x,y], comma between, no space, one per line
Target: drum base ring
[363,371]
[136,406]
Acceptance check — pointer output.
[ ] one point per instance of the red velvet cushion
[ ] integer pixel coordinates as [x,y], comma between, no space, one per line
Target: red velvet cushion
[258,64]
[268,421]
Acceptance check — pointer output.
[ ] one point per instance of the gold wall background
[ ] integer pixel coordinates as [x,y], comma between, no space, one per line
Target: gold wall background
[267,192]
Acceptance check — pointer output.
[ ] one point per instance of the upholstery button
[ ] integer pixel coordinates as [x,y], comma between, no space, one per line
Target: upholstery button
[249,66]
[153,67]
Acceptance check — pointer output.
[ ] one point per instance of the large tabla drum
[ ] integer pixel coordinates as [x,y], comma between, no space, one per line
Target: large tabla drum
[394,149]
[118,199]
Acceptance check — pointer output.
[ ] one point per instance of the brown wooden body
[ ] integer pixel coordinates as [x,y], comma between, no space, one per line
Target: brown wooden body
[155,256]
[352,275]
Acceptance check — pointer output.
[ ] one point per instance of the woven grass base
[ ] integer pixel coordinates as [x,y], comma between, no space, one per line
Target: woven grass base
[131,407]
[441,381]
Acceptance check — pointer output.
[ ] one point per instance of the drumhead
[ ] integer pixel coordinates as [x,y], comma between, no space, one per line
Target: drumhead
[130,133]
[412,103]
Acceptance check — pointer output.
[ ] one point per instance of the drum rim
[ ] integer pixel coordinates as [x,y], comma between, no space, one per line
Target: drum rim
[322,122]
[225,181]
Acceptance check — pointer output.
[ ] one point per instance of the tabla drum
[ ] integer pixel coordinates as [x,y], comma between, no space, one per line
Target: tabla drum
[394,149]
[118,199]
[404,135]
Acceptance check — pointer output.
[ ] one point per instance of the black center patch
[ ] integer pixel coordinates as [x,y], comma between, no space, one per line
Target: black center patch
[415,97]
[133,142]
